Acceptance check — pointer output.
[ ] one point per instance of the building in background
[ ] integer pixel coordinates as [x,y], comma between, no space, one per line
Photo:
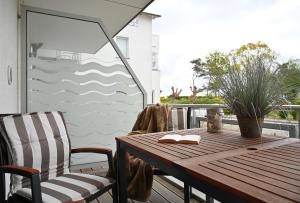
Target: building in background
[141,49]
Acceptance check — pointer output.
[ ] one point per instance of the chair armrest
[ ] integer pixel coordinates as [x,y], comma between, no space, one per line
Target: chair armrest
[31,173]
[106,151]
[19,170]
[92,150]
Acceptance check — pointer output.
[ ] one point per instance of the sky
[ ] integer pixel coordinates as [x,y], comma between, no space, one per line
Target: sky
[190,29]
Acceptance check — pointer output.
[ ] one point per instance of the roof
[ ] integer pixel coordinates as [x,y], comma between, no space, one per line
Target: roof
[152,15]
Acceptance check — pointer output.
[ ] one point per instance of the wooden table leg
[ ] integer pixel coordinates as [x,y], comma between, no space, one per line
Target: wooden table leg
[121,174]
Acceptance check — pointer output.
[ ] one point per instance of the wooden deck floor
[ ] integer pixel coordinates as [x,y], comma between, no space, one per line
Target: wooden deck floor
[162,191]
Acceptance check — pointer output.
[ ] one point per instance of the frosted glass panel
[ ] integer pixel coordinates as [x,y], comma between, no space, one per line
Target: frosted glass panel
[71,67]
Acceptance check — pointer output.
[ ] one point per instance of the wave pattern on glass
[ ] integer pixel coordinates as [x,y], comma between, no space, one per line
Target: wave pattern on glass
[99,102]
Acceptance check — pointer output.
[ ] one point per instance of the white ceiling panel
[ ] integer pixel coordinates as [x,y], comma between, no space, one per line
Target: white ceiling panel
[133,3]
[115,14]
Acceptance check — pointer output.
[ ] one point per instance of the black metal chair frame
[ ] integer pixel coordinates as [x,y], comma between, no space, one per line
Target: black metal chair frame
[34,174]
[187,188]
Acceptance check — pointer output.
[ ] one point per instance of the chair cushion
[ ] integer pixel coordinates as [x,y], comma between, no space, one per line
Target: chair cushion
[69,187]
[40,141]
[177,119]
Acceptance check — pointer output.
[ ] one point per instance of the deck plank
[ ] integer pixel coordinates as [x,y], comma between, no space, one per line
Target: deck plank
[162,191]
[158,197]
[178,191]
[165,192]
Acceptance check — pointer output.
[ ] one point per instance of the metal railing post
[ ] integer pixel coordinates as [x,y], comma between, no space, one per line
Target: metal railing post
[298,115]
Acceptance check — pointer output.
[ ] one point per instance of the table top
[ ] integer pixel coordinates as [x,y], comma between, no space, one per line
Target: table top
[271,175]
[209,144]
[265,169]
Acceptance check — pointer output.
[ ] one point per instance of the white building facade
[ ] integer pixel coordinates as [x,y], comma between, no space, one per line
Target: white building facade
[141,49]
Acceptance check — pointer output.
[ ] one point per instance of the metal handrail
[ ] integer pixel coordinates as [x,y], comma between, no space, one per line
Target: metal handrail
[295,108]
[205,106]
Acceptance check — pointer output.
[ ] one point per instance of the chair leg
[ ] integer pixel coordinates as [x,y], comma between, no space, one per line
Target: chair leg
[187,193]
[36,189]
[121,179]
[2,187]
[115,193]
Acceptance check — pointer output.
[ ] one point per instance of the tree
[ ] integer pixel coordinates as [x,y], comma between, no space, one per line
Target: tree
[214,65]
[250,51]
[199,71]
[175,93]
[195,90]
[200,68]
[217,63]
[290,71]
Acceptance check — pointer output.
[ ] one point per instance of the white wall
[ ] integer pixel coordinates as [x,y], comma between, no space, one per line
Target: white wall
[140,50]
[156,85]
[8,55]
[155,69]
[155,51]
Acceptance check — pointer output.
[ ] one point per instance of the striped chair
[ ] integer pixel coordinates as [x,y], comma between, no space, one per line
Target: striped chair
[37,149]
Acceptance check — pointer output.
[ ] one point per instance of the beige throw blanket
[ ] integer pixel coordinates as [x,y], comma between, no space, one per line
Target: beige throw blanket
[140,174]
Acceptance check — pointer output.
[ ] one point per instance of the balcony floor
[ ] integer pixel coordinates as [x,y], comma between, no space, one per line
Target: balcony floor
[162,192]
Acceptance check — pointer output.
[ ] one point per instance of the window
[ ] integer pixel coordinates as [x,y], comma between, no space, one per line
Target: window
[154,60]
[134,22]
[153,96]
[122,43]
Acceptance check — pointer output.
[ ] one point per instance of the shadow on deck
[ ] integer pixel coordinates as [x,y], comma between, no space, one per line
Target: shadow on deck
[163,191]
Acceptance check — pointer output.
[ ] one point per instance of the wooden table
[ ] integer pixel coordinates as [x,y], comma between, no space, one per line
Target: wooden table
[225,165]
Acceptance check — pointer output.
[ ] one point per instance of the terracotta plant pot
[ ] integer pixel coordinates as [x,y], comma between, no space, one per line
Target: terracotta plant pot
[250,127]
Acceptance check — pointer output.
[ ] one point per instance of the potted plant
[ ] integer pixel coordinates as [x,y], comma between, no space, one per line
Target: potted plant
[250,89]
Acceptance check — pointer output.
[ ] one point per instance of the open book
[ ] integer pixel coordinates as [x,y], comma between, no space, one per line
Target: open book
[182,139]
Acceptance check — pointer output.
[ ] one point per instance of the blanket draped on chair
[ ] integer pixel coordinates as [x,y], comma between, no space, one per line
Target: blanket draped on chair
[139,173]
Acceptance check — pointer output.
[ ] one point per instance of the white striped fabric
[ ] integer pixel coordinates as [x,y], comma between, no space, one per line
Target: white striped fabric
[26,192]
[40,141]
[51,142]
[17,149]
[33,142]
[68,187]
[64,136]
[177,119]
[73,194]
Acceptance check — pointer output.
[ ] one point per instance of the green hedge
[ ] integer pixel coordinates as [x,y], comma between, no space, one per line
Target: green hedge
[188,100]
[286,114]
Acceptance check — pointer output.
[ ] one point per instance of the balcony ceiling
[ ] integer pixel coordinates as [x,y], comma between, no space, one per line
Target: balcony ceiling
[115,14]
